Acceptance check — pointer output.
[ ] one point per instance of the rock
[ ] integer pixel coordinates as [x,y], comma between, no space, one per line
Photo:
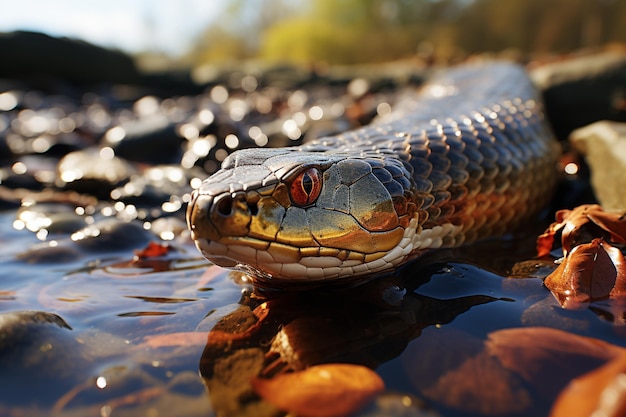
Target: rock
[31,54]
[158,185]
[54,218]
[112,235]
[39,354]
[604,146]
[150,139]
[583,90]
[103,237]
[93,172]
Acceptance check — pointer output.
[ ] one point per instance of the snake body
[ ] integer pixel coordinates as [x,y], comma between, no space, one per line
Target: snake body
[469,157]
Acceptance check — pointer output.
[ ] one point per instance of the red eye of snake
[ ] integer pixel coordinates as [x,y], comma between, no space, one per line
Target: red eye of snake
[306,187]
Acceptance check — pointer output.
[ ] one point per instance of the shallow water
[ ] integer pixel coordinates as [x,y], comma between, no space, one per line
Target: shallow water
[138,342]
[93,324]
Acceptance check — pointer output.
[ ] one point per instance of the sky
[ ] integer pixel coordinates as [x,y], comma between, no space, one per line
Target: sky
[130,25]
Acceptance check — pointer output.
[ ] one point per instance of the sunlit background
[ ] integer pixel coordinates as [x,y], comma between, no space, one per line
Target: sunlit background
[133,26]
[164,34]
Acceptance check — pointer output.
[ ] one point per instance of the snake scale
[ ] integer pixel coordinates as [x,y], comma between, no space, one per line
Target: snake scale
[470,156]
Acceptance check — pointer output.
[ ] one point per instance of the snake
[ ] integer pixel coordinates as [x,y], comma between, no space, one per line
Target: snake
[468,156]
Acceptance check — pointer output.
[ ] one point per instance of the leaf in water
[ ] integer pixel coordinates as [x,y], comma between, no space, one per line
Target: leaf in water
[516,371]
[581,225]
[330,390]
[452,368]
[545,241]
[481,385]
[613,223]
[547,358]
[153,250]
[591,272]
[601,392]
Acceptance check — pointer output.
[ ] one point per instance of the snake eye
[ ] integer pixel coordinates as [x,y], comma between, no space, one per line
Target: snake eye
[306,187]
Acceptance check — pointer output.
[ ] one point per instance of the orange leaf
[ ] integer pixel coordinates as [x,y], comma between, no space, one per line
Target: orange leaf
[153,250]
[581,225]
[592,271]
[545,242]
[330,390]
[613,223]
[600,392]
[573,223]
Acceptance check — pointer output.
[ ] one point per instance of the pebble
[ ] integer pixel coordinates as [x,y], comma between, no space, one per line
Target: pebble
[604,146]
[152,139]
[93,171]
[583,89]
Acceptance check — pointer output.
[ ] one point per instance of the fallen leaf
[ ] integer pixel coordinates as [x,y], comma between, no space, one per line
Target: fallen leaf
[612,223]
[591,272]
[547,358]
[483,386]
[330,390]
[152,250]
[518,371]
[601,392]
[581,225]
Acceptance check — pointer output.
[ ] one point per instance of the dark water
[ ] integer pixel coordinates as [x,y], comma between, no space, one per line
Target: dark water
[89,325]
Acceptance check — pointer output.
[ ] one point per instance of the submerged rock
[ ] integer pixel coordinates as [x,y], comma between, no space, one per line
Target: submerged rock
[39,354]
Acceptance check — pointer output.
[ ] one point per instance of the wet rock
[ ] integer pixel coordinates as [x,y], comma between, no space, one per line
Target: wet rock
[157,185]
[604,146]
[112,235]
[9,178]
[93,171]
[582,90]
[29,172]
[39,354]
[151,140]
[103,237]
[53,218]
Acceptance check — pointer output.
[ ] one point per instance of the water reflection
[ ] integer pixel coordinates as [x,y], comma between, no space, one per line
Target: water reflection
[290,331]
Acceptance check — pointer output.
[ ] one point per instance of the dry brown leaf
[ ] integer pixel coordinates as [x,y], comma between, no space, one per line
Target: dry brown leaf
[612,223]
[591,272]
[601,392]
[581,225]
[330,390]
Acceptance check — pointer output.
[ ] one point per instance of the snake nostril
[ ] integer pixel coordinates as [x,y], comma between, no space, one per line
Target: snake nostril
[254,208]
[225,206]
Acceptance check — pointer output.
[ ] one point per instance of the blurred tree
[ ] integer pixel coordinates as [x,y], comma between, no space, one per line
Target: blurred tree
[539,26]
[235,36]
[358,31]
[348,32]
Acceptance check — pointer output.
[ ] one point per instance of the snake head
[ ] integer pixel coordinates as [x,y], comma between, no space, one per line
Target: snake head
[288,214]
